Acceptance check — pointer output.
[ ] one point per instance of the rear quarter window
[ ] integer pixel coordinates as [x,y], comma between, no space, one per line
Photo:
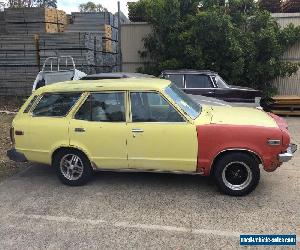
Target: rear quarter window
[30,104]
[198,81]
[55,104]
[177,79]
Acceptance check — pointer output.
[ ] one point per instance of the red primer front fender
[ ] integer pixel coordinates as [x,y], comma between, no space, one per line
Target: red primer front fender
[216,138]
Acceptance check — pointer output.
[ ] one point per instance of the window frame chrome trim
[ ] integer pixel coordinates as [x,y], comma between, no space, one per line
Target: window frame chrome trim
[159,93]
[212,82]
[88,95]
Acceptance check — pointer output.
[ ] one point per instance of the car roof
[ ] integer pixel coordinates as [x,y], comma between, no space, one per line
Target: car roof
[189,71]
[106,85]
[116,75]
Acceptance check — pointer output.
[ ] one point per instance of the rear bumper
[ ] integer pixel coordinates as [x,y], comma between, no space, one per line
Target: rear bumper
[16,156]
[288,155]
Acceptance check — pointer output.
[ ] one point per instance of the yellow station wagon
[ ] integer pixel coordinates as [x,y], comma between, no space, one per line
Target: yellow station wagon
[146,125]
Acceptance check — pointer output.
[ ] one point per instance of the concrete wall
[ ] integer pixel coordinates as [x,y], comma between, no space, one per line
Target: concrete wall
[131,37]
[289,85]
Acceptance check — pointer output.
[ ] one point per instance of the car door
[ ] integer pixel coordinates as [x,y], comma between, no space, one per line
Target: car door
[160,138]
[199,84]
[99,129]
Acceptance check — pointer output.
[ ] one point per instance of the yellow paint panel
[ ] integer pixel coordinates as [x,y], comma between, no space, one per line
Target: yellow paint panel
[163,146]
[240,116]
[41,136]
[103,142]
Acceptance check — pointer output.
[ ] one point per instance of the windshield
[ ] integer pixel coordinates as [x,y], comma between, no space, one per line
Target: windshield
[220,82]
[188,105]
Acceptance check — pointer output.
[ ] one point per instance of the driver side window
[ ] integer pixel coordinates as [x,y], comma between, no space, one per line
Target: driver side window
[151,107]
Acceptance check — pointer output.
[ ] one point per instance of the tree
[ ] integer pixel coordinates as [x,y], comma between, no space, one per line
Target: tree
[19,3]
[46,3]
[91,7]
[238,40]
[32,3]
[137,11]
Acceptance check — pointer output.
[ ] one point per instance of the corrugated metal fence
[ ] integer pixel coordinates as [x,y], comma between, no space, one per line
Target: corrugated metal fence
[289,85]
[132,42]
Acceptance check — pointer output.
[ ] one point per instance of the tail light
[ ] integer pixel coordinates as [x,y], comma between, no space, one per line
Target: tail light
[12,136]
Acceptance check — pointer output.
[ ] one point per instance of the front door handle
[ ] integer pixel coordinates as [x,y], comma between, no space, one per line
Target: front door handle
[79,130]
[137,130]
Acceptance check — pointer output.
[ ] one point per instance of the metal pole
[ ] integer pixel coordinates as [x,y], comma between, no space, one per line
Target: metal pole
[119,37]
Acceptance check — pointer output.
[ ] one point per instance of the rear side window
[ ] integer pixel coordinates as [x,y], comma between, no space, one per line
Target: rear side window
[198,81]
[103,107]
[55,104]
[29,106]
[177,79]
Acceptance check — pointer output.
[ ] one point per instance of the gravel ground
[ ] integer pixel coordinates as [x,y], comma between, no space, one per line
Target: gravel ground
[145,211]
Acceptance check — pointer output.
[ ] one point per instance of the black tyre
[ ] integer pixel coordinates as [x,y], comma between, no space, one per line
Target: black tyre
[237,174]
[72,167]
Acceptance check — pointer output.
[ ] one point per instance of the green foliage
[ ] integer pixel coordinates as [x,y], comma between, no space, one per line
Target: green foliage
[240,41]
[137,11]
[31,3]
[46,3]
[91,7]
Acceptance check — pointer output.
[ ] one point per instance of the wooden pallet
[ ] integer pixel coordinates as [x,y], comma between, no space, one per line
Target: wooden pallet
[286,105]
[30,15]
[286,112]
[34,20]
[290,100]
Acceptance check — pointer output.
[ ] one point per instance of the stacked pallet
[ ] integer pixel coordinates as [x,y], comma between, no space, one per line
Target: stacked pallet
[286,105]
[34,20]
[19,64]
[81,46]
[81,21]
[35,34]
[105,25]
[2,23]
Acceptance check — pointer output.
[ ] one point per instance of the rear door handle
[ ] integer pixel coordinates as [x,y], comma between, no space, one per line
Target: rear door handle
[79,130]
[137,130]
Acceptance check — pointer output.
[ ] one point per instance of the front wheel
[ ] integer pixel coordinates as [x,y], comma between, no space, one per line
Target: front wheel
[237,174]
[72,167]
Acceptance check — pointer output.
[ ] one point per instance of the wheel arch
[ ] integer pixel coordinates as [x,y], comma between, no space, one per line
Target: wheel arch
[253,154]
[57,150]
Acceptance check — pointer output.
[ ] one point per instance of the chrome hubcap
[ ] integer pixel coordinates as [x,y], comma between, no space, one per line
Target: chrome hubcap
[71,167]
[237,175]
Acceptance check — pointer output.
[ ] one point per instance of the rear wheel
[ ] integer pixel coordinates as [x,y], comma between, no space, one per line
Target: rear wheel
[237,174]
[72,167]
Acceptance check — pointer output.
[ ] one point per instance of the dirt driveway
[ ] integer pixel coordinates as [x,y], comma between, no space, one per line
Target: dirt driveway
[145,211]
[7,167]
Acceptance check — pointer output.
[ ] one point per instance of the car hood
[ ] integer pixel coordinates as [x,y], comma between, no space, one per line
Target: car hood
[241,116]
